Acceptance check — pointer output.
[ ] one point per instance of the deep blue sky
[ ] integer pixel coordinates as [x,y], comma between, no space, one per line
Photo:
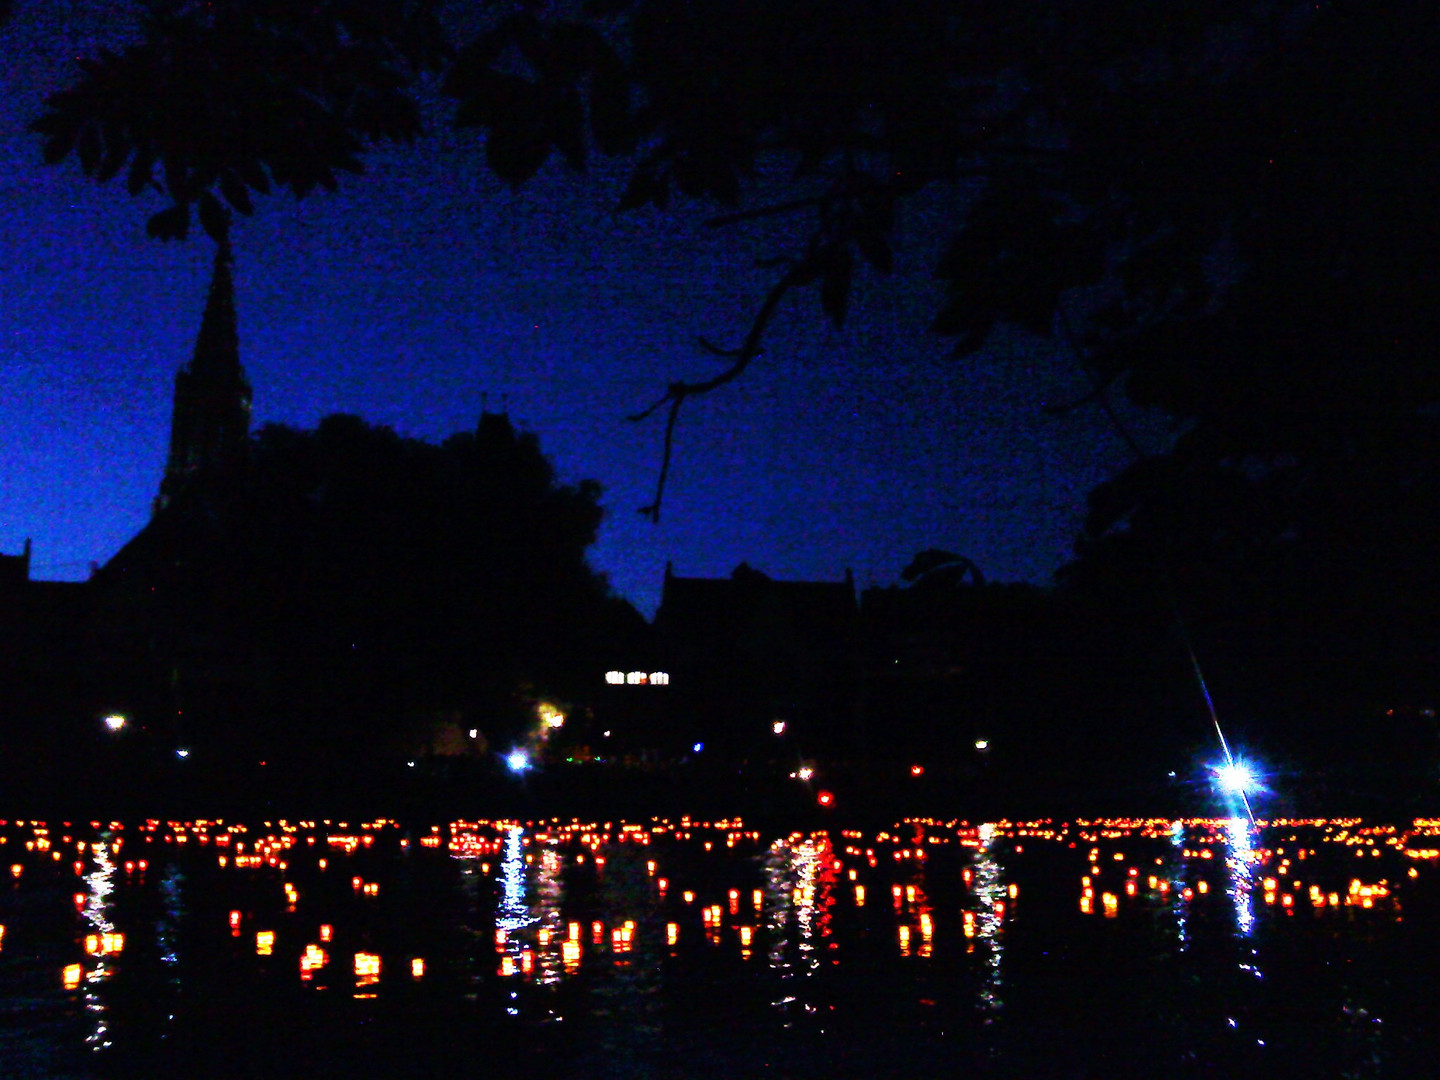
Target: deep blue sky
[426,285]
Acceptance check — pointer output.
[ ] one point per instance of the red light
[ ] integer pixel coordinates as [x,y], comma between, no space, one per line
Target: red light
[825,798]
[917,770]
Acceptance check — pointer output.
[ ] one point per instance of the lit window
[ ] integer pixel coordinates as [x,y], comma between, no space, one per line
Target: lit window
[615,678]
[659,678]
[637,678]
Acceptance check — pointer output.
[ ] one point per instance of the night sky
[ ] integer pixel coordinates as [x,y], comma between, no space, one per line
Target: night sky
[427,291]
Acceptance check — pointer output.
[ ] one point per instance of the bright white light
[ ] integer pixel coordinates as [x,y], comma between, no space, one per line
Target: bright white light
[474,732]
[518,760]
[982,744]
[410,763]
[115,722]
[805,773]
[615,678]
[697,747]
[778,727]
[550,716]
[182,753]
[659,678]
[1235,777]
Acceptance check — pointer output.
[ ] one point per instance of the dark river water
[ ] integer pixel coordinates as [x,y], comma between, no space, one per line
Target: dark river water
[699,949]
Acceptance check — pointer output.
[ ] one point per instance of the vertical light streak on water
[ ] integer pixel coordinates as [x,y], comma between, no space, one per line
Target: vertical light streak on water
[101,883]
[549,898]
[1179,905]
[513,914]
[990,889]
[167,929]
[778,905]
[169,922]
[807,873]
[477,958]
[795,884]
[1240,862]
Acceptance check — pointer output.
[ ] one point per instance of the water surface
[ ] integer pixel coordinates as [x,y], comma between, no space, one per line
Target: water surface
[679,948]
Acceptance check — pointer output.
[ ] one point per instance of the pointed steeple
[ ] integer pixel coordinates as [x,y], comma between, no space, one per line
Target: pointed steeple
[211,418]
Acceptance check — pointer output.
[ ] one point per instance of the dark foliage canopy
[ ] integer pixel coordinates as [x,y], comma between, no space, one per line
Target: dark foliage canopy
[1221,206]
[348,576]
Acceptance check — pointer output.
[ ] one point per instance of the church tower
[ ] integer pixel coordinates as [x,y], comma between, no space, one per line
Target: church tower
[211,418]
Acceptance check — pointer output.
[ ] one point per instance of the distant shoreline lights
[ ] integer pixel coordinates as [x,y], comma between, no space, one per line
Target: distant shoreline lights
[637,678]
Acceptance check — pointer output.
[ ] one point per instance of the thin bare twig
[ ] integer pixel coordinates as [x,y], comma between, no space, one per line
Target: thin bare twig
[764,211]
[748,350]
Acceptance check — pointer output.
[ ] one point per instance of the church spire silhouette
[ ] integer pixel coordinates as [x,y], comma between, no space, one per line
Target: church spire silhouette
[211,418]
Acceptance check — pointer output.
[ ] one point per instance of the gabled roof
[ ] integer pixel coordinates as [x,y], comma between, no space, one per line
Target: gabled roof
[710,607]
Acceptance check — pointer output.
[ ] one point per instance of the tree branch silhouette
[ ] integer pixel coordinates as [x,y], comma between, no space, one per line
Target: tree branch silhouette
[800,273]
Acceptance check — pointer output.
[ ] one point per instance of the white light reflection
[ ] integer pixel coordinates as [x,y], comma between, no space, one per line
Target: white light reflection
[1240,860]
[799,879]
[169,922]
[101,883]
[550,895]
[513,914]
[990,890]
[1179,904]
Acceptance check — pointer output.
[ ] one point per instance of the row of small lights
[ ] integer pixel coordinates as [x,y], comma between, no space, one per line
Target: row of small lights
[1340,832]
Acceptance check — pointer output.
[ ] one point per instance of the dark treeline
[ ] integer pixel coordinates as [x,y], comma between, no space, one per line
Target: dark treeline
[343,600]
[1088,693]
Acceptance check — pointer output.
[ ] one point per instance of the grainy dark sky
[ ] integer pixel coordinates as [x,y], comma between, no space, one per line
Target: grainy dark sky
[426,289]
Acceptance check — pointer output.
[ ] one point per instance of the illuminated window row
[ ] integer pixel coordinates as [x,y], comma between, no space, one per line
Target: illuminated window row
[637,678]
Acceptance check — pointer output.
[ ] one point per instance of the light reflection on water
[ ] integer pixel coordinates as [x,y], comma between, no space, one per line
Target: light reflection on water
[800,878]
[991,892]
[100,883]
[1240,862]
[654,936]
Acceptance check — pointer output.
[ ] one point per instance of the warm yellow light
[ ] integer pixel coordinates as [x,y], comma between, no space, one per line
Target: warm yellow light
[570,952]
[417,968]
[672,933]
[367,964]
[265,942]
[71,976]
[326,931]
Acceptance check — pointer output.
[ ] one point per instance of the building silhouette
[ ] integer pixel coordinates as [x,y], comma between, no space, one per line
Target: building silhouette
[210,422]
[746,652]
